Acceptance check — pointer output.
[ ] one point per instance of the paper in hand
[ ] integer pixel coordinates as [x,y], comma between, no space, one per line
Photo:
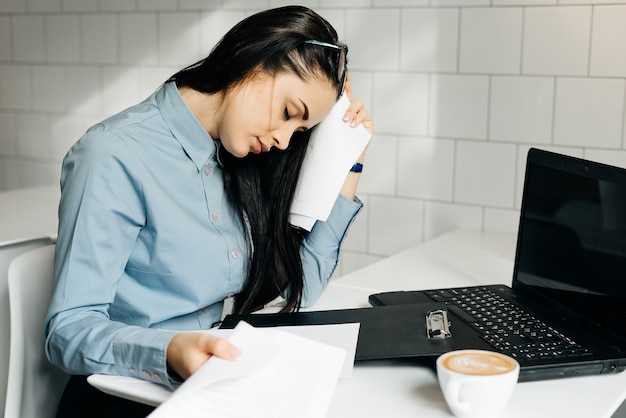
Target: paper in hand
[279,375]
[333,148]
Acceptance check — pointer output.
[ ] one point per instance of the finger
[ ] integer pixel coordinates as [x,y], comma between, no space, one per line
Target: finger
[353,110]
[356,114]
[188,351]
[209,347]
[222,348]
[363,118]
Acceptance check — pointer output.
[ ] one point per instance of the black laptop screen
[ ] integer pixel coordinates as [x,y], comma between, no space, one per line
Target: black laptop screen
[572,237]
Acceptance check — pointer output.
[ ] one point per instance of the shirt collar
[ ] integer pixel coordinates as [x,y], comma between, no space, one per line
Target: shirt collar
[187,130]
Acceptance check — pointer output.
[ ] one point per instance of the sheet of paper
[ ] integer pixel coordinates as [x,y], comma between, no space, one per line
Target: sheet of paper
[333,148]
[279,374]
[343,336]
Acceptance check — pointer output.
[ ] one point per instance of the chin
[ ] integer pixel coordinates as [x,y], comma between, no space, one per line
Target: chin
[237,153]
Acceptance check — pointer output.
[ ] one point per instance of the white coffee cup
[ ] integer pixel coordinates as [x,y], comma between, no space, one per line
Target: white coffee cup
[477,383]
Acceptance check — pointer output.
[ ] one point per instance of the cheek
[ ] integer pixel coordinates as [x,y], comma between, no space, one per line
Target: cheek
[250,119]
[231,137]
[239,121]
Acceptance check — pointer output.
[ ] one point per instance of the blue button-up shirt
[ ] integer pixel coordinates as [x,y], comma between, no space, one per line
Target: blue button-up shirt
[149,244]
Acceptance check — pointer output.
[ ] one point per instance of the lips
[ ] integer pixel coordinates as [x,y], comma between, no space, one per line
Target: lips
[260,147]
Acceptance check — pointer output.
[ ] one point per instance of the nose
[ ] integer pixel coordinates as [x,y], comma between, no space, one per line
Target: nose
[282,137]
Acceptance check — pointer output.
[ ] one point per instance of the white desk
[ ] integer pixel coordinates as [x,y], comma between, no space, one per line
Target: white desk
[400,389]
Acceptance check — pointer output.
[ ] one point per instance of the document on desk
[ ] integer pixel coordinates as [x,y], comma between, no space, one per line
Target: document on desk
[333,148]
[278,375]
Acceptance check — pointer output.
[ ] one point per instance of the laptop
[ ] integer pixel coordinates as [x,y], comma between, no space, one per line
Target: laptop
[565,312]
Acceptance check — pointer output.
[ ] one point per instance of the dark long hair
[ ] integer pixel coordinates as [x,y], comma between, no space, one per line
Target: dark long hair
[262,186]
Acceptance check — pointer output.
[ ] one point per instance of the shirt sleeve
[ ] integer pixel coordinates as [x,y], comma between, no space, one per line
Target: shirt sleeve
[320,249]
[100,215]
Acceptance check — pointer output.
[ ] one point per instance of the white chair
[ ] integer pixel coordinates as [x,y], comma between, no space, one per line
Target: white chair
[8,251]
[34,384]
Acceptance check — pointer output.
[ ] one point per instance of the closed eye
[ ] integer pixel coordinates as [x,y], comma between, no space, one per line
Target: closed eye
[288,117]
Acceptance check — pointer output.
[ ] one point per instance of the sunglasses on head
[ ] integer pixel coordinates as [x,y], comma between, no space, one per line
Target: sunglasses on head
[342,51]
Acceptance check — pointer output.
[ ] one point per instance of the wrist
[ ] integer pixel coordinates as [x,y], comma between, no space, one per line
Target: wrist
[357,168]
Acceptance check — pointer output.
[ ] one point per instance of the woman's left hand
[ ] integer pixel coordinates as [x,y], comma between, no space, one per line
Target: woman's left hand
[356,113]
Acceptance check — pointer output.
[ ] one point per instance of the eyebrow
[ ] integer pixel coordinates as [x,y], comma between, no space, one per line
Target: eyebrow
[305,116]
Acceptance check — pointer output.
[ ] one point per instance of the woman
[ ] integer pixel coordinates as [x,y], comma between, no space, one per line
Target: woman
[182,201]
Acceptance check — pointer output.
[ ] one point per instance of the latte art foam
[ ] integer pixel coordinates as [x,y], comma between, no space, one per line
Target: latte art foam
[479,363]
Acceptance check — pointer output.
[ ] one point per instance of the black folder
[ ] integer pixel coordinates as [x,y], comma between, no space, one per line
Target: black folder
[386,332]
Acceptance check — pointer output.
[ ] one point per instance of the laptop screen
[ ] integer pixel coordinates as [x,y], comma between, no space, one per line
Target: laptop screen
[572,238]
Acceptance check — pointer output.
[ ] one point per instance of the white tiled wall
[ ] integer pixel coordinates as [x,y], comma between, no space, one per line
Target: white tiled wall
[459,89]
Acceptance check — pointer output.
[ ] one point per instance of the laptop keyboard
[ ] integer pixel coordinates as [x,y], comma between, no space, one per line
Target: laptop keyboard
[505,327]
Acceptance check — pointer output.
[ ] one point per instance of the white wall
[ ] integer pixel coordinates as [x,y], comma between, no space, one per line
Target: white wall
[459,90]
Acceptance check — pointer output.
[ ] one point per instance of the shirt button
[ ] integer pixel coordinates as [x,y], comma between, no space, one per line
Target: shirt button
[205,309]
[207,170]
[235,254]
[133,371]
[215,216]
[158,377]
[146,374]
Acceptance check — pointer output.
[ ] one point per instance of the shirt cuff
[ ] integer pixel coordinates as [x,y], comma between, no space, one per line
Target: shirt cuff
[330,233]
[142,354]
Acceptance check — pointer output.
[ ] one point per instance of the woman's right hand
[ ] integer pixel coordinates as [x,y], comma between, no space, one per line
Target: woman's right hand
[188,351]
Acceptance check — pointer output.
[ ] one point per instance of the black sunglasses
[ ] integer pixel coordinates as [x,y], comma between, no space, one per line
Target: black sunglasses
[342,69]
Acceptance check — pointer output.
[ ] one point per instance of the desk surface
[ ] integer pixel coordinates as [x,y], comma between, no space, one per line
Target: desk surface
[407,390]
